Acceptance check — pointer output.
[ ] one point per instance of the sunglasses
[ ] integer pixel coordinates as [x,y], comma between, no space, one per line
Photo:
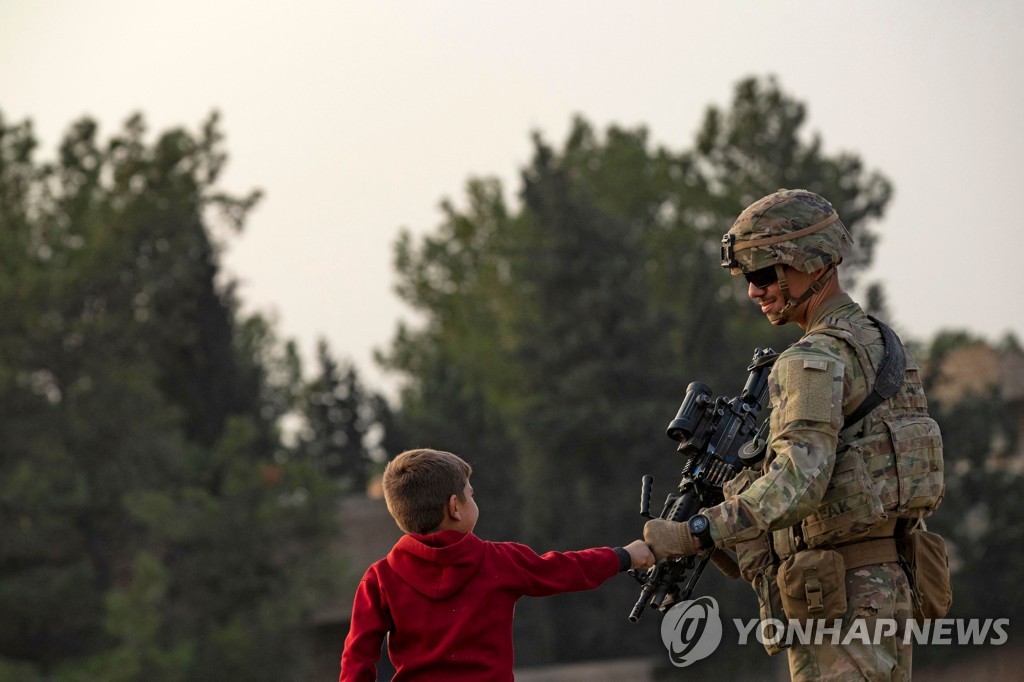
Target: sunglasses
[762,278]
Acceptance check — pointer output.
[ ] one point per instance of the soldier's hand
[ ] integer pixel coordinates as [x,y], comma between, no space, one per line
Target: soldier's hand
[640,554]
[669,539]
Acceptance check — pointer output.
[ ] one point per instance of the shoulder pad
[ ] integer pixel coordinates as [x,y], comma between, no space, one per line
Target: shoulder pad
[809,385]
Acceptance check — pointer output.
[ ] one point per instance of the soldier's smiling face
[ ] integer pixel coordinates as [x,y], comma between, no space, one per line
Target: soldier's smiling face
[763,288]
[766,292]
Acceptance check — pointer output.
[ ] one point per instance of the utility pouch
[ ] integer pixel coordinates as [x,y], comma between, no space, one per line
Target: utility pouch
[769,600]
[850,505]
[754,556]
[813,585]
[923,555]
[919,487]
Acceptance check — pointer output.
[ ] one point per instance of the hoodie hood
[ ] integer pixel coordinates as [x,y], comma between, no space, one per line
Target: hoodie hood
[439,564]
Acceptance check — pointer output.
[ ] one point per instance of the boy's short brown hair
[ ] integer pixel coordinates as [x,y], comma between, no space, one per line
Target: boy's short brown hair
[418,484]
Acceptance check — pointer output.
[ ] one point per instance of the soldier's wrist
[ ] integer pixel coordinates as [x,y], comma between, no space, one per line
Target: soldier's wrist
[699,526]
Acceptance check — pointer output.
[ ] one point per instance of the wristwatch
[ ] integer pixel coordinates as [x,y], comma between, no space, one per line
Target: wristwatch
[700,527]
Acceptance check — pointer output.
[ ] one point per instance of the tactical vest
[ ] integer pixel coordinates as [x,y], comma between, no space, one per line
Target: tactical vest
[889,460]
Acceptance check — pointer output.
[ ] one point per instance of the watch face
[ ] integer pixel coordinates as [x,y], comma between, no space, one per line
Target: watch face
[698,524]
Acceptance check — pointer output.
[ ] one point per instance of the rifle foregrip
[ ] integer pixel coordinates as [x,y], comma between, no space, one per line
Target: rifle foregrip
[646,484]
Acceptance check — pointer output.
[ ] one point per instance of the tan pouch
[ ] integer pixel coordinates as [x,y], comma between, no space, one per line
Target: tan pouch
[753,556]
[927,566]
[769,601]
[917,445]
[850,505]
[813,585]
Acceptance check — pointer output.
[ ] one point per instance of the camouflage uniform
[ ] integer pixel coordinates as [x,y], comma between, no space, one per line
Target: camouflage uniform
[811,386]
[804,498]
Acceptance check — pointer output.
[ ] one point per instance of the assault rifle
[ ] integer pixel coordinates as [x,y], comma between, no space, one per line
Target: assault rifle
[718,438]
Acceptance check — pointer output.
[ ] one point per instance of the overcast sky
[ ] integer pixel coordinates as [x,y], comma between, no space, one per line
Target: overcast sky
[356,118]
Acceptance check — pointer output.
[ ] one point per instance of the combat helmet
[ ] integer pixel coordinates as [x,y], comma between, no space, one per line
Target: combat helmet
[791,227]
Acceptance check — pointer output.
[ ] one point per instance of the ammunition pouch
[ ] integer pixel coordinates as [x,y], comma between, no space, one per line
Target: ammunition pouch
[812,584]
[753,556]
[911,470]
[923,557]
[850,506]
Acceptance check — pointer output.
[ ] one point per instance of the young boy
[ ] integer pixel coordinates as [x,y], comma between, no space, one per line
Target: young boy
[443,597]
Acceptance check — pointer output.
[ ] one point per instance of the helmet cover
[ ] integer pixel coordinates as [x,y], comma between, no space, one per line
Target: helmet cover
[792,227]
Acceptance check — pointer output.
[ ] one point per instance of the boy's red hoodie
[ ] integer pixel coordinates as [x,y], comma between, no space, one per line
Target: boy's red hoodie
[445,601]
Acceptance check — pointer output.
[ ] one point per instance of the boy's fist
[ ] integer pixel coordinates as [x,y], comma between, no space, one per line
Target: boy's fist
[640,554]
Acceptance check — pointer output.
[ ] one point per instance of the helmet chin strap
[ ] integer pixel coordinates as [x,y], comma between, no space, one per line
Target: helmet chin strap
[782,317]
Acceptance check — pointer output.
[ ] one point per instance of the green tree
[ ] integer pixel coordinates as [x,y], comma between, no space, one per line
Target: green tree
[454,367]
[340,415]
[152,525]
[981,514]
[559,336]
[758,145]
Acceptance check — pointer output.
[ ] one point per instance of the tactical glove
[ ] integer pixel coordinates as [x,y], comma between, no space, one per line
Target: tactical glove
[668,539]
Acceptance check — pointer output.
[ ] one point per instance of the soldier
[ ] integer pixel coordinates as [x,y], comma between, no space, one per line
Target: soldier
[814,530]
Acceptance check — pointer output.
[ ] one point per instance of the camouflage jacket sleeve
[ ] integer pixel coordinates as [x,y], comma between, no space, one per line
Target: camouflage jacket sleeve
[806,389]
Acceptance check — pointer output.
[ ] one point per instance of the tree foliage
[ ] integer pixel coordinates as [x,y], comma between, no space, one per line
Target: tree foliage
[981,514]
[152,523]
[341,418]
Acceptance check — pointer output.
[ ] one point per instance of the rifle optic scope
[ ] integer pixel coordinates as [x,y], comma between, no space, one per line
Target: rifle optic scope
[695,402]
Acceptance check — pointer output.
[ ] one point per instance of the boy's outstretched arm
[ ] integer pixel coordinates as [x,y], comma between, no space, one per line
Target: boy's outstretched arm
[558,572]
